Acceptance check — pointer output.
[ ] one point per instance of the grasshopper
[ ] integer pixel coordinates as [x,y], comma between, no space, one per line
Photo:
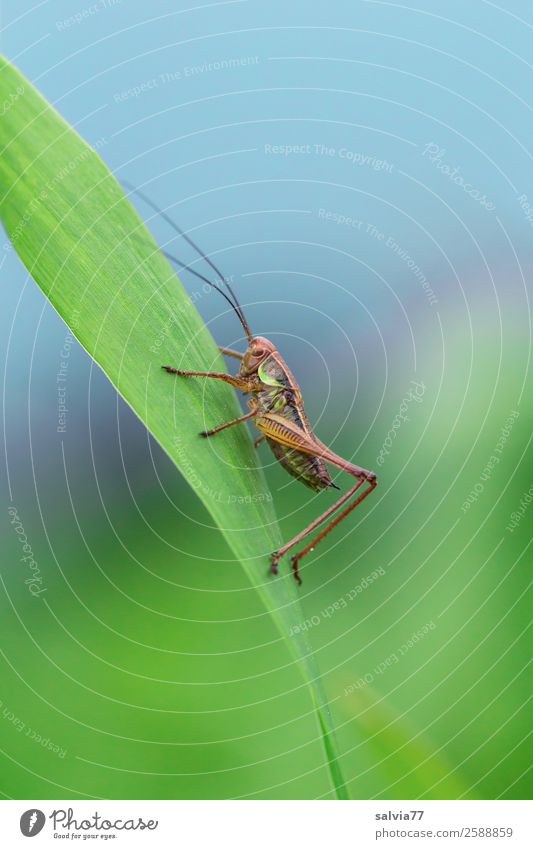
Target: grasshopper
[277,410]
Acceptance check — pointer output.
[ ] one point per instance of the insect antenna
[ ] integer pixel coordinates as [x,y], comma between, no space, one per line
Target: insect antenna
[181,264]
[236,305]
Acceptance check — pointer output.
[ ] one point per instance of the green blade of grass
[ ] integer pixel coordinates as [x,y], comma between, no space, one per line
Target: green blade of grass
[87,249]
[411,764]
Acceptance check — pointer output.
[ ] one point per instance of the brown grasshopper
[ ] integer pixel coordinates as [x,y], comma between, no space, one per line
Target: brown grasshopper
[276,407]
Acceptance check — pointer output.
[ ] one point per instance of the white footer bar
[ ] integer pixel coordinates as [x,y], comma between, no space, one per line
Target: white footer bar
[268,824]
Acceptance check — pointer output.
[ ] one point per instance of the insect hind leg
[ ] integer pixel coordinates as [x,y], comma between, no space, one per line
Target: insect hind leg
[295,559]
[367,477]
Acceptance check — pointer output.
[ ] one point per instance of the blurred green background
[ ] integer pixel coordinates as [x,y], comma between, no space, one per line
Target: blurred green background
[147,668]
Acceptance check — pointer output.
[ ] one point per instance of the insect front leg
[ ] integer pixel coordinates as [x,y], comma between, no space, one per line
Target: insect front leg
[228,424]
[233,380]
[253,412]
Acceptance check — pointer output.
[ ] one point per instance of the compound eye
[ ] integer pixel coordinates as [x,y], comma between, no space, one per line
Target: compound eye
[259,352]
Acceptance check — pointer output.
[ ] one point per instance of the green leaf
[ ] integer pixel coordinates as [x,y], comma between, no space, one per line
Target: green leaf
[87,249]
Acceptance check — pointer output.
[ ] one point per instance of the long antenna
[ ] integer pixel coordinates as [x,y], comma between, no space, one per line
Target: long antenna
[193,244]
[181,264]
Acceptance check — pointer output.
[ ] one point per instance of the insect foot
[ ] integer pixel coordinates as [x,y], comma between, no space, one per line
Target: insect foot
[294,563]
[172,370]
[274,560]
